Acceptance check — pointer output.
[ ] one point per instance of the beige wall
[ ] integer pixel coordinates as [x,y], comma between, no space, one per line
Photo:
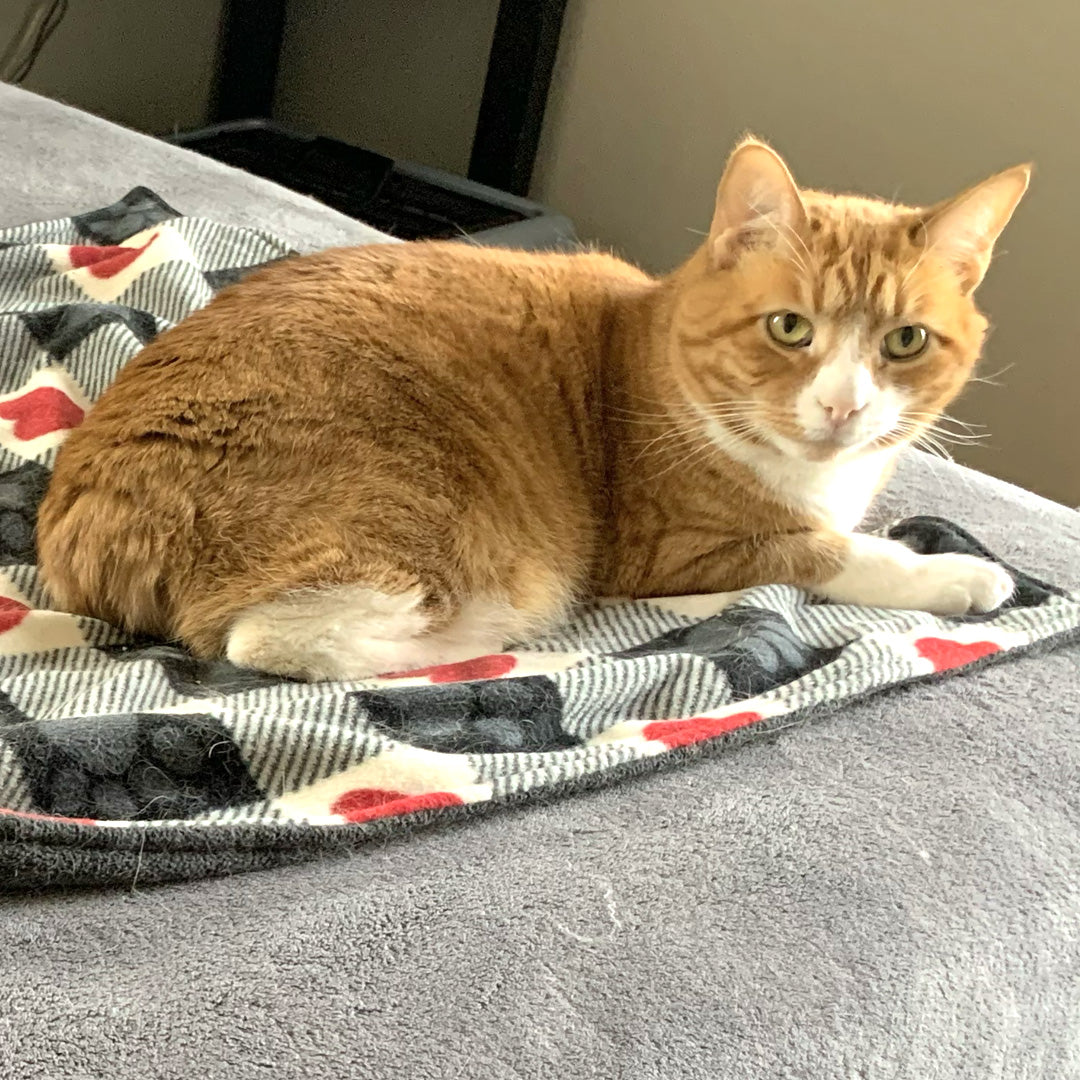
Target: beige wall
[144,63]
[404,79]
[913,99]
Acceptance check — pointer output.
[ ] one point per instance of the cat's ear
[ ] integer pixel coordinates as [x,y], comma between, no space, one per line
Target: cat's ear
[964,230]
[757,203]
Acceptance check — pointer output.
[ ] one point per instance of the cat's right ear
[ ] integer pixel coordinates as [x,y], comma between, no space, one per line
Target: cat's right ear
[963,230]
[757,202]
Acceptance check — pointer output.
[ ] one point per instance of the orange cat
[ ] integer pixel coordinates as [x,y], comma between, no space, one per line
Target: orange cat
[384,457]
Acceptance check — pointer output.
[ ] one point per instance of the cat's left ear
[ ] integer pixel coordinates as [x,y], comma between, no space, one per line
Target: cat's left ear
[757,204]
[964,230]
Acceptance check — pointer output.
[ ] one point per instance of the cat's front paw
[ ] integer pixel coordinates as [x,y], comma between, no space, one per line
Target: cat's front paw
[961,584]
[885,573]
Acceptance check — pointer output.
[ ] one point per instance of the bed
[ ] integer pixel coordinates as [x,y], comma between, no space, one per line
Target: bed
[887,889]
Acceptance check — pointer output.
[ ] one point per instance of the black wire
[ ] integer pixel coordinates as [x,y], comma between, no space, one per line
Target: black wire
[55,15]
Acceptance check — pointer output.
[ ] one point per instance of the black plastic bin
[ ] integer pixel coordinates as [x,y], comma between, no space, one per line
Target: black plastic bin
[408,201]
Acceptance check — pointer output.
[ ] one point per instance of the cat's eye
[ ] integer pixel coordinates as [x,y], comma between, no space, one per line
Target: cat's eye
[905,342]
[789,329]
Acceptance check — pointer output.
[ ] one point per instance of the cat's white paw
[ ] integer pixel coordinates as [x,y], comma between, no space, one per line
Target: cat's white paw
[960,584]
[885,573]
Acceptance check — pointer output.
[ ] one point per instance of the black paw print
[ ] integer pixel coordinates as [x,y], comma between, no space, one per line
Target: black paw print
[131,767]
[497,717]
[757,650]
[21,490]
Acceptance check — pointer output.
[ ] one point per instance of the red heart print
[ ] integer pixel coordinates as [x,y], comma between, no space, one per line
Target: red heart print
[11,613]
[673,733]
[365,804]
[41,411]
[483,667]
[945,654]
[105,260]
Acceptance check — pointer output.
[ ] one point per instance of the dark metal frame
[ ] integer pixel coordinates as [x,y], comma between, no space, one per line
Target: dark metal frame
[520,66]
[519,72]
[251,35]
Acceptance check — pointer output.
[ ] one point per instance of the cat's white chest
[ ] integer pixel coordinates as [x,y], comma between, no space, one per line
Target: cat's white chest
[835,493]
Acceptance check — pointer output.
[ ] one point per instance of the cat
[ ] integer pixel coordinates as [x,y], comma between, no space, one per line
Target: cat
[381,458]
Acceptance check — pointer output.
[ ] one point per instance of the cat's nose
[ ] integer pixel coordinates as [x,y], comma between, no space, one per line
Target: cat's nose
[840,413]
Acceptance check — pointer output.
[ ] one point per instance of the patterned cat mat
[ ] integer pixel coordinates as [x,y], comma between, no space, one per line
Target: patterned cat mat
[129,762]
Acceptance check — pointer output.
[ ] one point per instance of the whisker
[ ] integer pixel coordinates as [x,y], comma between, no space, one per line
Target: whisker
[990,380]
[663,403]
[678,413]
[936,418]
[960,440]
[703,448]
[956,420]
[933,468]
[665,436]
[957,437]
[940,452]
[938,447]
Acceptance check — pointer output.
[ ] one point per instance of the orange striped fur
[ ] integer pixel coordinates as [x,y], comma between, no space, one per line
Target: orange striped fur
[392,455]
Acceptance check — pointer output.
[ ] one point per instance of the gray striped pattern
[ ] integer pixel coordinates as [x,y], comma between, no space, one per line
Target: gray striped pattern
[605,691]
[297,742]
[14,791]
[56,231]
[170,291]
[601,628]
[93,362]
[217,248]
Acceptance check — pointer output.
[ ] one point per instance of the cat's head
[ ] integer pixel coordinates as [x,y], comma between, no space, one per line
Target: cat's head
[825,325]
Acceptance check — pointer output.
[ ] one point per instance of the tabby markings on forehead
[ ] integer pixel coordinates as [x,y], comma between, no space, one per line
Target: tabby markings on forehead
[860,264]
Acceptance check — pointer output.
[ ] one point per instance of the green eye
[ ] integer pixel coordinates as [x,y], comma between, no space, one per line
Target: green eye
[789,329]
[905,342]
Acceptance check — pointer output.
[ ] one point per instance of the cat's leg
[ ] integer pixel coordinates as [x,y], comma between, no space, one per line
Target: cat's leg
[878,572]
[353,632]
[859,569]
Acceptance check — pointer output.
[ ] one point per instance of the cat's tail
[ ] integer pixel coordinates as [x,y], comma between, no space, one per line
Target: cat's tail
[103,555]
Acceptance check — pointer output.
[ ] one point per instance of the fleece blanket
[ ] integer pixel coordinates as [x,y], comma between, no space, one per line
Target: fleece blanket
[128,761]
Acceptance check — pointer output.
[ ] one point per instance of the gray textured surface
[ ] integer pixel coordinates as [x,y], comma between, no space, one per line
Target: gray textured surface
[55,160]
[889,892]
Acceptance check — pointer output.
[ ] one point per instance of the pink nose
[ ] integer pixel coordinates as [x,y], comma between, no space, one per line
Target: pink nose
[838,415]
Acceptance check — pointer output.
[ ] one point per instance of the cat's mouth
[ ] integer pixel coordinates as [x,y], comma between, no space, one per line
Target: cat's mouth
[836,441]
[822,445]
[826,448]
